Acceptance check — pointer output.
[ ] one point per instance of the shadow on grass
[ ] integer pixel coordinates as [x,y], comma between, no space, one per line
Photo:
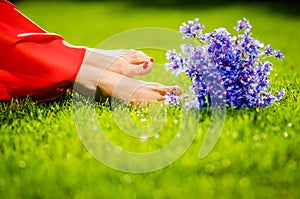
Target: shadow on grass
[287,7]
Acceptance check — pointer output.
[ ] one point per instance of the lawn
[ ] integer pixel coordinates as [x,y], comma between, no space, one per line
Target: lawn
[256,156]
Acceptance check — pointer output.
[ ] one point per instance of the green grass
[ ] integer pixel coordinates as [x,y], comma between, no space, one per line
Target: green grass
[257,155]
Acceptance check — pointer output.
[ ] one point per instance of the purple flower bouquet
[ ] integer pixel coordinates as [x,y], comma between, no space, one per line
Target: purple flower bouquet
[225,70]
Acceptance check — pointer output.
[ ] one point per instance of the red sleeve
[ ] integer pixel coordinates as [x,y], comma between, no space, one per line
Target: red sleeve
[34,62]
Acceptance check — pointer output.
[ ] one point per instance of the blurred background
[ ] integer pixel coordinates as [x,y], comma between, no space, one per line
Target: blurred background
[288,6]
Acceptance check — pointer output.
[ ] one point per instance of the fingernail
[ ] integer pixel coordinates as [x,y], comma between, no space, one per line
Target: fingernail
[151,59]
[145,65]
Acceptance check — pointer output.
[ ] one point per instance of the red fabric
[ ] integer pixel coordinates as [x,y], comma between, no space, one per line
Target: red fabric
[33,62]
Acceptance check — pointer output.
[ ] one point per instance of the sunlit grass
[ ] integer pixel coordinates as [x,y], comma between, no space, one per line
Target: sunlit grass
[257,155]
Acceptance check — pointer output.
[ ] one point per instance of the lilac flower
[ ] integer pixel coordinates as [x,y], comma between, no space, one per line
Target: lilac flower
[269,50]
[176,62]
[278,54]
[224,69]
[191,29]
[171,99]
[243,25]
[192,104]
